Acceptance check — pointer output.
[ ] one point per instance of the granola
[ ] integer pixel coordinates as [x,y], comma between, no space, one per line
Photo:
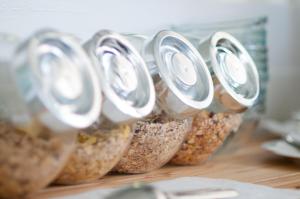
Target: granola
[97,152]
[29,163]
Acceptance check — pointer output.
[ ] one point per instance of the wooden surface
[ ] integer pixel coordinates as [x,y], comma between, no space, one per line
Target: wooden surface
[242,160]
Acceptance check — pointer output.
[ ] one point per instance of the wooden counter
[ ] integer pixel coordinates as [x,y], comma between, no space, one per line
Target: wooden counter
[242,160]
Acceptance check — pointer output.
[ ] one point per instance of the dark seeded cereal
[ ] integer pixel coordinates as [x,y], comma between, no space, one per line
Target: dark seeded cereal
[207,134]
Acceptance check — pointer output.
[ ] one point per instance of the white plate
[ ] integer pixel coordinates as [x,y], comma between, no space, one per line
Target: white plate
[280,147]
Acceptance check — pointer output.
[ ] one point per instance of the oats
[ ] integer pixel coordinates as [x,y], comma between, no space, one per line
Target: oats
[154,142]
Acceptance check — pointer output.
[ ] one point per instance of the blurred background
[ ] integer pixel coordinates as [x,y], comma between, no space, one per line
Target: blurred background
[84,18]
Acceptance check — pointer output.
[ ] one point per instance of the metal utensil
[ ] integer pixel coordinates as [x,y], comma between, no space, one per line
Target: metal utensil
[282,148]
[149,192]
[288,130]
[293,138]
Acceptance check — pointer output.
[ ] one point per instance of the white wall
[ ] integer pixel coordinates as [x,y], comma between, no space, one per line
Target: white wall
[86,17]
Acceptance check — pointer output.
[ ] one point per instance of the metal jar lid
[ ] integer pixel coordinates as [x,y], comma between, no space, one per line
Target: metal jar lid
[56,81]
[183,70]
[126,83]
[233,68]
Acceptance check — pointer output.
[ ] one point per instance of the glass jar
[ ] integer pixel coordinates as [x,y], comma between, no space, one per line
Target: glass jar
[236,84]
[48,90]
[183,86]
[252,34]
[129,94]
